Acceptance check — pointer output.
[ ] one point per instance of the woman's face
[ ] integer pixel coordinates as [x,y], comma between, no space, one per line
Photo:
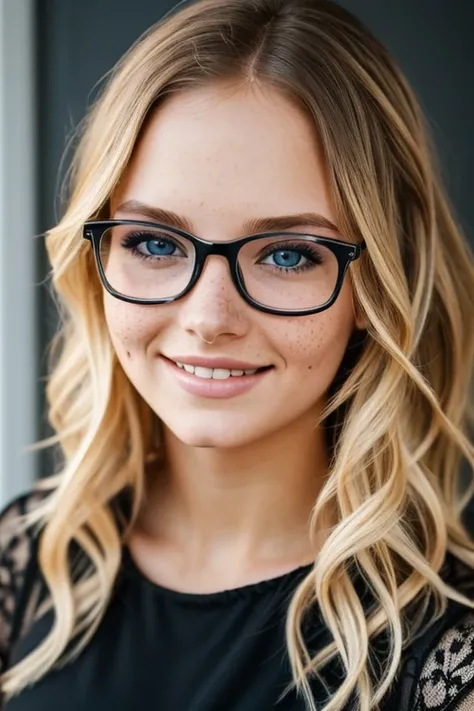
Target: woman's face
[219,157]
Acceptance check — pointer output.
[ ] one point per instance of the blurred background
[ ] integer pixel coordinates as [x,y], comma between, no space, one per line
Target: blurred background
[53,54]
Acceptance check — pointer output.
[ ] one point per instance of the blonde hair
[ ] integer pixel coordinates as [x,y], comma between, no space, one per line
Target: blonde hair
[395,468]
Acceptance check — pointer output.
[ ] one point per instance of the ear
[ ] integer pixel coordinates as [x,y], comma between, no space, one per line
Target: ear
[360,319]
[361,322]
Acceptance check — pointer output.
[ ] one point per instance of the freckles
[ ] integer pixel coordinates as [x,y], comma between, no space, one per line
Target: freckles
[130,326]
[308,341]
[311,341]
[125,334]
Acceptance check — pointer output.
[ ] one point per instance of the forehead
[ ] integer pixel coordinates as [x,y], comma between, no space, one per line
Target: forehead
[220,154]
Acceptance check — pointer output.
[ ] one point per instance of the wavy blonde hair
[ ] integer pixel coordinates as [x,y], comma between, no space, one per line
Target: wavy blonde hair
[395,469]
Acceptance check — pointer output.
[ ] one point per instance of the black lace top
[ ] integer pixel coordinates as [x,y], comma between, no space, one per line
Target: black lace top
[161,649]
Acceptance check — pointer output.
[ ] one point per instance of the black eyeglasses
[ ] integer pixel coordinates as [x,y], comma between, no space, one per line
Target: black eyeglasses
[283,273]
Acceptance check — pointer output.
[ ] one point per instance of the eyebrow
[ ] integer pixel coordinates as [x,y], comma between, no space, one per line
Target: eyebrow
[252,226]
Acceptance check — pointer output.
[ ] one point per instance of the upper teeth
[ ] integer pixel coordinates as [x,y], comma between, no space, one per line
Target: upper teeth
[216,373]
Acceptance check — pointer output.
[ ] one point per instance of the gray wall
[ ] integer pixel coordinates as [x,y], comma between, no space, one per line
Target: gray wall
[78,42]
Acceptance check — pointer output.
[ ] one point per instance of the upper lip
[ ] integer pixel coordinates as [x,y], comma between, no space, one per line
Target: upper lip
[226,363]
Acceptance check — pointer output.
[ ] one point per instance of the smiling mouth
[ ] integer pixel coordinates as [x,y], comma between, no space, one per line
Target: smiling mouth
[218,373]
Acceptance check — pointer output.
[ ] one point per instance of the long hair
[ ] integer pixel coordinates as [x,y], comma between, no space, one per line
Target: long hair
[401,409]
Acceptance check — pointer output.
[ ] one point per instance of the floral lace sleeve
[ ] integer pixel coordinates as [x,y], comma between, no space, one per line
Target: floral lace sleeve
[16,552]
[446,682]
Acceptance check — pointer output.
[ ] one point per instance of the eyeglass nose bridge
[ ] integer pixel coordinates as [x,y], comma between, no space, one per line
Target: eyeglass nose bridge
[228,250]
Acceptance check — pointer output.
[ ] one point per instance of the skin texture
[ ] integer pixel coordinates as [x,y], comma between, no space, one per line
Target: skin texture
[243,473]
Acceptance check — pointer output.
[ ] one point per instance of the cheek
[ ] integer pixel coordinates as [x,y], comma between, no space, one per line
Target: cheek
[314,345]
[131,327]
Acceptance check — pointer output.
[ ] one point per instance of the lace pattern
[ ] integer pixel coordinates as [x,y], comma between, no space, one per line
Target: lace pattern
[16,550]
[447,677]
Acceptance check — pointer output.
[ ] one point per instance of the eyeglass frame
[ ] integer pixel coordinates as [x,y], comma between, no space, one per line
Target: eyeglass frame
[345,253]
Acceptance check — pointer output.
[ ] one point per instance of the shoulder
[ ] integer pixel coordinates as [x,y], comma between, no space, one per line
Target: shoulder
[446,665]
[17,553]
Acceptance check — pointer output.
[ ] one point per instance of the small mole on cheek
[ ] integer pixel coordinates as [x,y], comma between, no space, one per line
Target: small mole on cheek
[310,367]
[128,354]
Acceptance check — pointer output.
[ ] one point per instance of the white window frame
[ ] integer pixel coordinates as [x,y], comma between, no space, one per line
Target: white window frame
[18,350]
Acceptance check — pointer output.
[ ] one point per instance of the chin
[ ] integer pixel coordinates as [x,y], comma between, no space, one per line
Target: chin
[214,435]
[214,441]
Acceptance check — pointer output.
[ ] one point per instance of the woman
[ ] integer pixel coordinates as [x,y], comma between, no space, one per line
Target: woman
[262,391]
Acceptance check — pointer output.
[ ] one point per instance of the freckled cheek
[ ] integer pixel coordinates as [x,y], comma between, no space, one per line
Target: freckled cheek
[315,345]
[132,328]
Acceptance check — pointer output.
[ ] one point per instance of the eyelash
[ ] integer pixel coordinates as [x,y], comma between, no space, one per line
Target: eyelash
[313,258]
[304,249]
[132,241]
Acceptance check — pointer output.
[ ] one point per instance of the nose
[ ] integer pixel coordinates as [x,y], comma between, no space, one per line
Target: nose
[214,308]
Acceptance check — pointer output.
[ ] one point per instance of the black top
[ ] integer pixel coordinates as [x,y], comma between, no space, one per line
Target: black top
[171,651]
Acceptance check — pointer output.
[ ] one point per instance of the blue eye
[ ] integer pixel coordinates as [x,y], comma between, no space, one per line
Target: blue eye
[158,247]
[147,245]
[291,257]
[286,258]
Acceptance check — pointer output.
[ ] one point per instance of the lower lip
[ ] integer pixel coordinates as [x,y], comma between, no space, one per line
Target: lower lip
[208,387]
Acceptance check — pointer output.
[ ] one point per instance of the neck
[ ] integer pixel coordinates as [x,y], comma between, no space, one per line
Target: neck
[253,503]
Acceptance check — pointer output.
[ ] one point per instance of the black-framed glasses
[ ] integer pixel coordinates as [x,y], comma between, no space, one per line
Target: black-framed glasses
[283,273]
